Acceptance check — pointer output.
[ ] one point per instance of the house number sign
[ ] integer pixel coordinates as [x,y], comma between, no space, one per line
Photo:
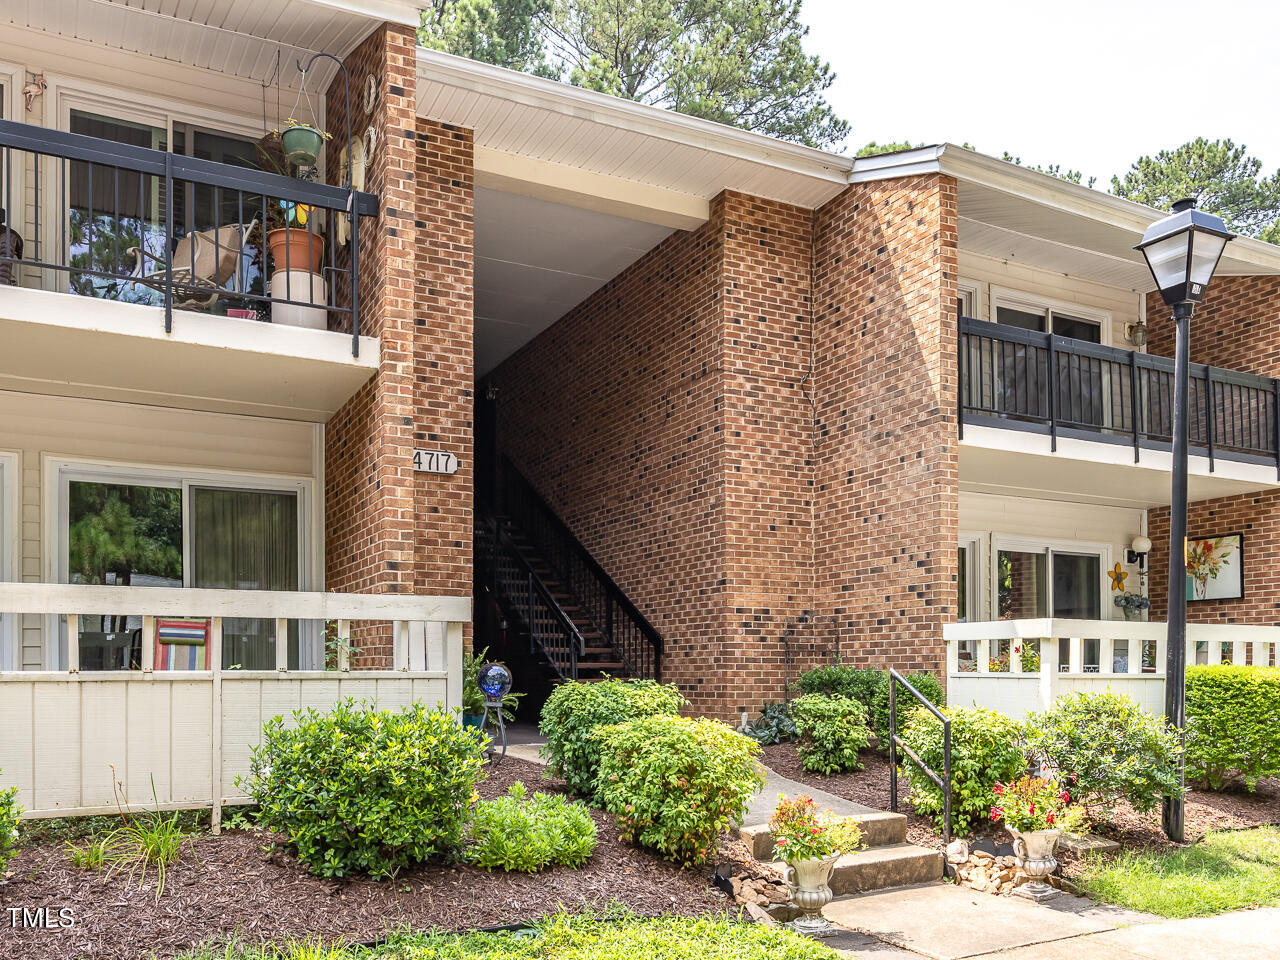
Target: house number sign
[434,461]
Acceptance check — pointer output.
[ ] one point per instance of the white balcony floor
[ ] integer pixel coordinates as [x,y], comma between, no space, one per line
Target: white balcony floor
[63,345]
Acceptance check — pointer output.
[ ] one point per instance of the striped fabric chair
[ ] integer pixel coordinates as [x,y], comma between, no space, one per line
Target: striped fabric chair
[182,644]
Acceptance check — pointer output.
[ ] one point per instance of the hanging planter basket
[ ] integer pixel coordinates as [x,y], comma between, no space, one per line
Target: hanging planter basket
[302,144]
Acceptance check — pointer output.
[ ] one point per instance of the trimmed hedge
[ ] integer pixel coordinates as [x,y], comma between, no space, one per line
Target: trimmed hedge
[574,711]
[1112,746]
[361,790]
[832,730]
[675,783]
[985,750]
[9,813]
[1233,725]
[519,832]
[870,687]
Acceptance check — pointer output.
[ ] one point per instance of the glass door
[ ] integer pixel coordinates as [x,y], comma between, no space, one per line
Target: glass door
[246,540]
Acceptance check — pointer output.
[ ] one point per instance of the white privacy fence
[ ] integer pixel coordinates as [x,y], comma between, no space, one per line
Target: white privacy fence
[1018,666]
[67,737]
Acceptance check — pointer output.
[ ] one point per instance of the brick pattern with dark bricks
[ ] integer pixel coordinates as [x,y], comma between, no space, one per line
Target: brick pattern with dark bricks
[1236,327]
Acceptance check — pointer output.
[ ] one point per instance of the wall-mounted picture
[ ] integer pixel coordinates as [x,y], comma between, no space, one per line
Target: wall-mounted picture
[1215,568]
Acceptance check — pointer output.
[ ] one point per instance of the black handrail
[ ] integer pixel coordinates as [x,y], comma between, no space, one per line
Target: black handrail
[524,593]
[943,781]
[138,172]
[1026,379]
[633,639]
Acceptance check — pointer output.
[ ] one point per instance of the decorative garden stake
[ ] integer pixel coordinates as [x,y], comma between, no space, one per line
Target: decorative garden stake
[810,846]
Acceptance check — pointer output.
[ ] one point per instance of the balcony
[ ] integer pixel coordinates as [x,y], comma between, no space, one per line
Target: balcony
[1059,387]
[142,275]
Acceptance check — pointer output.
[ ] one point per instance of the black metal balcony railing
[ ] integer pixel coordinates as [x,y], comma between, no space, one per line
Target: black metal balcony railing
[1012,377]
[117,221]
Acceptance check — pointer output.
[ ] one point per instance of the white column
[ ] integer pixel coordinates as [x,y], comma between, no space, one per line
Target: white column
[453,664]
[148,644]
[73,641]
[282,644]
[1048,672]
[215,666]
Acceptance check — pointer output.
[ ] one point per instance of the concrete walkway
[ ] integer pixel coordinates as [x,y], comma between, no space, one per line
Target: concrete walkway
[943,922]
[762,805]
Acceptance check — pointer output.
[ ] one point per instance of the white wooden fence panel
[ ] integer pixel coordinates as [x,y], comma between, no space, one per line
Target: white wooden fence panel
[17,737]
[56,746]
[104,713]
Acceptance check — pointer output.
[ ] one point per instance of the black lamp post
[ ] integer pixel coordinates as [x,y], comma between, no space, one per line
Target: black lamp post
[1182,251]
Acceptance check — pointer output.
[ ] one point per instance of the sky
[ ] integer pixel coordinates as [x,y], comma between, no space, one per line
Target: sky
[1089,85]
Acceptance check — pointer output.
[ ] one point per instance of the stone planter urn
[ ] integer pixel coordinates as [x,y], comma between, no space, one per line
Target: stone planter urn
[1133,615]
[1035,850]
[809,884]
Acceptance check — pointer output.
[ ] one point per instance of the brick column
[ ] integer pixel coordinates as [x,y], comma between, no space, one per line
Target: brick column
[887,462]
[389,530]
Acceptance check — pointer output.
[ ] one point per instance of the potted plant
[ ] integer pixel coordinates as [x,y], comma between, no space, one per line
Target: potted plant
[810,844]
[1133,604]
[1037,811]
[294,236]
[302,142]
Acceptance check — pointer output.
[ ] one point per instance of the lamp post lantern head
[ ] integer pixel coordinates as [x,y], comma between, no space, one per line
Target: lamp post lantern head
[1183,250]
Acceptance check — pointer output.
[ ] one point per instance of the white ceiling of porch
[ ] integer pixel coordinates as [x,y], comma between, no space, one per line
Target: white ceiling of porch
[536,260]
[235,37]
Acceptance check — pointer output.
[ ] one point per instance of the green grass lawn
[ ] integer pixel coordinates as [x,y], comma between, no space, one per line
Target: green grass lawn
[1225,871]
[565,938]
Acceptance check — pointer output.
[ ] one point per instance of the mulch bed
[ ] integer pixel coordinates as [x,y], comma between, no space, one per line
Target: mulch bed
[1235,809]
[229,886]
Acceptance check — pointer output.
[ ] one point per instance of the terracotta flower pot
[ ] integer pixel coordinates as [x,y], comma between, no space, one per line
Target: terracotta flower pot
[295,249]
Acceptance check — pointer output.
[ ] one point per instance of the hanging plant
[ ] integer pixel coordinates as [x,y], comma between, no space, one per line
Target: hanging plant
[302,142]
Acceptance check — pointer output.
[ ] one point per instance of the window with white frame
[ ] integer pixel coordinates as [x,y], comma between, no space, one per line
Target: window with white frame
[969,601]
[1046,316]
[138,527]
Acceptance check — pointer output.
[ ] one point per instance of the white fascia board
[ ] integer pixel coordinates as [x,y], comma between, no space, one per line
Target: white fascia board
[563,98]
[903,163]
[406,12]
[558,183]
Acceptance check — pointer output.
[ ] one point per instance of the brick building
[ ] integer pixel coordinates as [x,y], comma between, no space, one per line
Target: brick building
[643,393]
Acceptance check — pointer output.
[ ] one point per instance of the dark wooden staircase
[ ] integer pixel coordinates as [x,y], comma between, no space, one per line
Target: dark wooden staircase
[554,593]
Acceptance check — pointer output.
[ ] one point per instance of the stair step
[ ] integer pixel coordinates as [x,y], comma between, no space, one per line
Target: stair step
[880,828]
[879,867]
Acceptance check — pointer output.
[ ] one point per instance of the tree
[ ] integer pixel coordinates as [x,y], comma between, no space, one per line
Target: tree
[1053,170]
[738,62]
[1224,178]
[504,32]
[874,149]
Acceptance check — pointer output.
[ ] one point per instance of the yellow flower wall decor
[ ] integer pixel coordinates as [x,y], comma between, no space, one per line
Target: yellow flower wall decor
[1118,578]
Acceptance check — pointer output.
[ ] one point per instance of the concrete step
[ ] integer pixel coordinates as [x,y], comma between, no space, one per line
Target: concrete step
[880,828]
[877,868]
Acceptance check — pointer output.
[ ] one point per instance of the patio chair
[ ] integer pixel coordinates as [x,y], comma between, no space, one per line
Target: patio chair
[204,262]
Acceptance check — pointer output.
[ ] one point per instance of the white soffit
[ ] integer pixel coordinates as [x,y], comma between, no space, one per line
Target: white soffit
[526,127]
[233,37]
[536,260]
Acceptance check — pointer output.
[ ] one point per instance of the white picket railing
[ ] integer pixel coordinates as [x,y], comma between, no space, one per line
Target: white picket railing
[1100,654]
[68,737]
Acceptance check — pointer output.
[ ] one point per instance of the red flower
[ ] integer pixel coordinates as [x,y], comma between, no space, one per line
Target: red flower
[995,813]
[1032,809]
[1066,797]
[1075,777]
[999,789]
[1049,818]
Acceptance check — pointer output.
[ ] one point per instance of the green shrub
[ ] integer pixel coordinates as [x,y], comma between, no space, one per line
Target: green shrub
[832,730]
[574,711]
[9,813]
[1233,725]
[870,687]
[361,790]
[1112,746]
[515,833]
[773,726]
[675,783]
[985,750]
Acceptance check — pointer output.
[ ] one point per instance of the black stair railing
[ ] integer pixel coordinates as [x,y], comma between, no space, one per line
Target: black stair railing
[940,778]
[1063,386]
[633,639]
[527,598]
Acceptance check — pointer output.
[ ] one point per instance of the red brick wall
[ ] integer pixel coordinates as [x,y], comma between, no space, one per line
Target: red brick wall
[616,415]
[1237,327]
[735,460]
[389,530]
[886,469]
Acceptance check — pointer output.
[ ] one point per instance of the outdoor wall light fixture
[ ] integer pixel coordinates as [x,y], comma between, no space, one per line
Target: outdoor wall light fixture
[1136,333]
[1138,551]
[1182,251]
